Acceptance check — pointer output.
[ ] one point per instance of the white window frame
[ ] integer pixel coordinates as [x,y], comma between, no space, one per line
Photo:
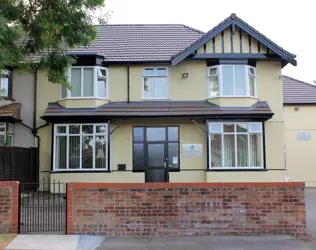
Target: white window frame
[67,134]
[222,133]
[96,71]
[155,75]
[220,80]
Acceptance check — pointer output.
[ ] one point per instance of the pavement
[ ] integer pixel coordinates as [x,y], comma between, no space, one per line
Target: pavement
[86,242]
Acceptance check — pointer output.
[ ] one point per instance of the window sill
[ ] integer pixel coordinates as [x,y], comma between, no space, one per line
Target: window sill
[233,101]
[238,170]
[79,171]
[217,97]
[83,98]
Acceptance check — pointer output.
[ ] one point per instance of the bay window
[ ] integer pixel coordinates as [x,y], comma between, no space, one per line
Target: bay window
[232,81]
[155,83]
[80,147]
[87,82]
[235,145]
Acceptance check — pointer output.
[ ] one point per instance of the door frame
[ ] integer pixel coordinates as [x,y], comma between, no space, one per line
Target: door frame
[165,142]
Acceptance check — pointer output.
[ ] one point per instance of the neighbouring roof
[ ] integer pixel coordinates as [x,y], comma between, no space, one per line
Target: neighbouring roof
[298,92]
[140,42]
[10,112]
[168,109]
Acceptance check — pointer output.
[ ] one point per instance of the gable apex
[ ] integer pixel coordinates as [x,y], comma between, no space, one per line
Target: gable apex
[233,22]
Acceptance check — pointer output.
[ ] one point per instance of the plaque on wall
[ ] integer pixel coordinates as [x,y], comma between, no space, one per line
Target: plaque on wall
[192,150]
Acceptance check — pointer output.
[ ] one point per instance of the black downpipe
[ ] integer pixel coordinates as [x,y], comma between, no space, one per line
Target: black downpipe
[128,84]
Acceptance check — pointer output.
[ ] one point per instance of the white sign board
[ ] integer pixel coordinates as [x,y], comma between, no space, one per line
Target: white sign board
[303,136]
[192,150]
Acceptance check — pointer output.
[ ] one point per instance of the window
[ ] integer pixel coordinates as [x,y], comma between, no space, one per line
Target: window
[86,82]
[155,83]
[236,145]
[232,80]
[80,147]
[6,134]
[4,86]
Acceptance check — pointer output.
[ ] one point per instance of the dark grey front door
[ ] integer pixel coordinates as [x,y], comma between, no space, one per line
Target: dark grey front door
[152,148]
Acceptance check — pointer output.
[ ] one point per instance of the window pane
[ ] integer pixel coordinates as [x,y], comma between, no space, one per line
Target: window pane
[149,88]
[252,71]
[9,141]
[229,151]
[255,127]
[87,151]
[61,129]
[74,152]
[242,127]
[251,86]
[88,82]
[255,150]
[63,91]
[100,152]
[138,134]
[162,72]
[101,72]
[149,72]
[61,152]
[213,71]
[4,86]
[240,80]
[2,140]
[76,82]
[228,80]
[138,156]
[214,86]
[156,134]
[156,155]
[74,129]
[173,134]
[173,155]
[2,128]
[101,129]
[216,151]
[242,150]
[161,87]
[101,88]
[229,128]
[215,127]
[87,129]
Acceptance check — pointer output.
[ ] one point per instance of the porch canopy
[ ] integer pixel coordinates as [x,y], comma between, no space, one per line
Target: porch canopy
[158,109]
[10,112]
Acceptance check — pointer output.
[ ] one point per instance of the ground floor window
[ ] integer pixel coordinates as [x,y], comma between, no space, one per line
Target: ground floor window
[235,145]
[156,147]
[6,134]
[80,147]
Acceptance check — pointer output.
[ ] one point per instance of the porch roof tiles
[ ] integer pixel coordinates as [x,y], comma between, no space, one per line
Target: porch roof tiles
[168,109]
[10,112]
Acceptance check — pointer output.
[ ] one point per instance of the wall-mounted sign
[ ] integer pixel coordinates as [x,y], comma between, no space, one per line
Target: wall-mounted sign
[192,150]
[303,136]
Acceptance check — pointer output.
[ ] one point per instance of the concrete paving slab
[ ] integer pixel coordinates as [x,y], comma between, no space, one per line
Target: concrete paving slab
[88,242]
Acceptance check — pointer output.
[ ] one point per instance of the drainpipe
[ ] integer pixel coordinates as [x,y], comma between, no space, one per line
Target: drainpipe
[128,83]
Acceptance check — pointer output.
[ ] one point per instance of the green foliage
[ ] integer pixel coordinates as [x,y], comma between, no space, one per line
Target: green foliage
[38,33]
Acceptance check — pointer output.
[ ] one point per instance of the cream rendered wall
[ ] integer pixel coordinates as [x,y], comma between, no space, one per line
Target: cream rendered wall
[300,155]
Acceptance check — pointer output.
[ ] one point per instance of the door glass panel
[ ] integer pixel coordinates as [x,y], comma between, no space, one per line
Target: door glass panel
[156,134]
[156,155]
[173,155]
[138,156]
[172,134]
[138,134]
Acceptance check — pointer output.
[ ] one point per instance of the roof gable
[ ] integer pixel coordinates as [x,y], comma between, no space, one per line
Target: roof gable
[232,22]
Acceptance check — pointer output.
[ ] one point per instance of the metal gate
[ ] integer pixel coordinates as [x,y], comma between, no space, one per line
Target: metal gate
[43,207]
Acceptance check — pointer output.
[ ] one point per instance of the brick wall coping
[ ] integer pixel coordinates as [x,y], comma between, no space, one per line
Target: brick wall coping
[189,185]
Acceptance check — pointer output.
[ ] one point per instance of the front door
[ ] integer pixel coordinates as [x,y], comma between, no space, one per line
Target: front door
[155,152]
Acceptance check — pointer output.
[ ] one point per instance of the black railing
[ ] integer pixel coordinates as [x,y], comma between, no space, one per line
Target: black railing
[42,207]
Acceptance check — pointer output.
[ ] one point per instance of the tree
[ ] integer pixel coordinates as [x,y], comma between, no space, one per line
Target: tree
[38,33]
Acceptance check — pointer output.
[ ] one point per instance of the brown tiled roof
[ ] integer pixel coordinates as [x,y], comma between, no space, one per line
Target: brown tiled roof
[169,109]
[10,112]
[298,92]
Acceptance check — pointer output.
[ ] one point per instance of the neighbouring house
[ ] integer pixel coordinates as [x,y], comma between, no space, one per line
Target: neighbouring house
[299,99]
[205,106]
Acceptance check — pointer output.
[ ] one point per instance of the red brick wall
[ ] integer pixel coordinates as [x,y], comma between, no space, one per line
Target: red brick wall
[9,208]
[172,209]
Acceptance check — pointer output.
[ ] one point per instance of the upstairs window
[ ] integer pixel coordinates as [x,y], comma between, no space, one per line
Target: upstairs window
[87,82]
[232,81]
[4,86]
[155,83]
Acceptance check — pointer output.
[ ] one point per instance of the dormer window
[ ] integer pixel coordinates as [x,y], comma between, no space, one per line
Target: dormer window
[232,81]
[87,82]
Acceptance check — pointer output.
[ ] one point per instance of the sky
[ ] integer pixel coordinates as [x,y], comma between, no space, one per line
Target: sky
[289,23]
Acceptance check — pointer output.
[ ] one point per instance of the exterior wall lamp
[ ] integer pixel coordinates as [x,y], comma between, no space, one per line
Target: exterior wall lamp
[185,75]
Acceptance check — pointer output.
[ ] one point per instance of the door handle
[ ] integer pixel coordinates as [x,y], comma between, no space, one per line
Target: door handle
[165,164]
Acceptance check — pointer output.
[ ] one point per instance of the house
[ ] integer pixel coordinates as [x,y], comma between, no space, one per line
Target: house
[206,106]
[299,100]
[17,108]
